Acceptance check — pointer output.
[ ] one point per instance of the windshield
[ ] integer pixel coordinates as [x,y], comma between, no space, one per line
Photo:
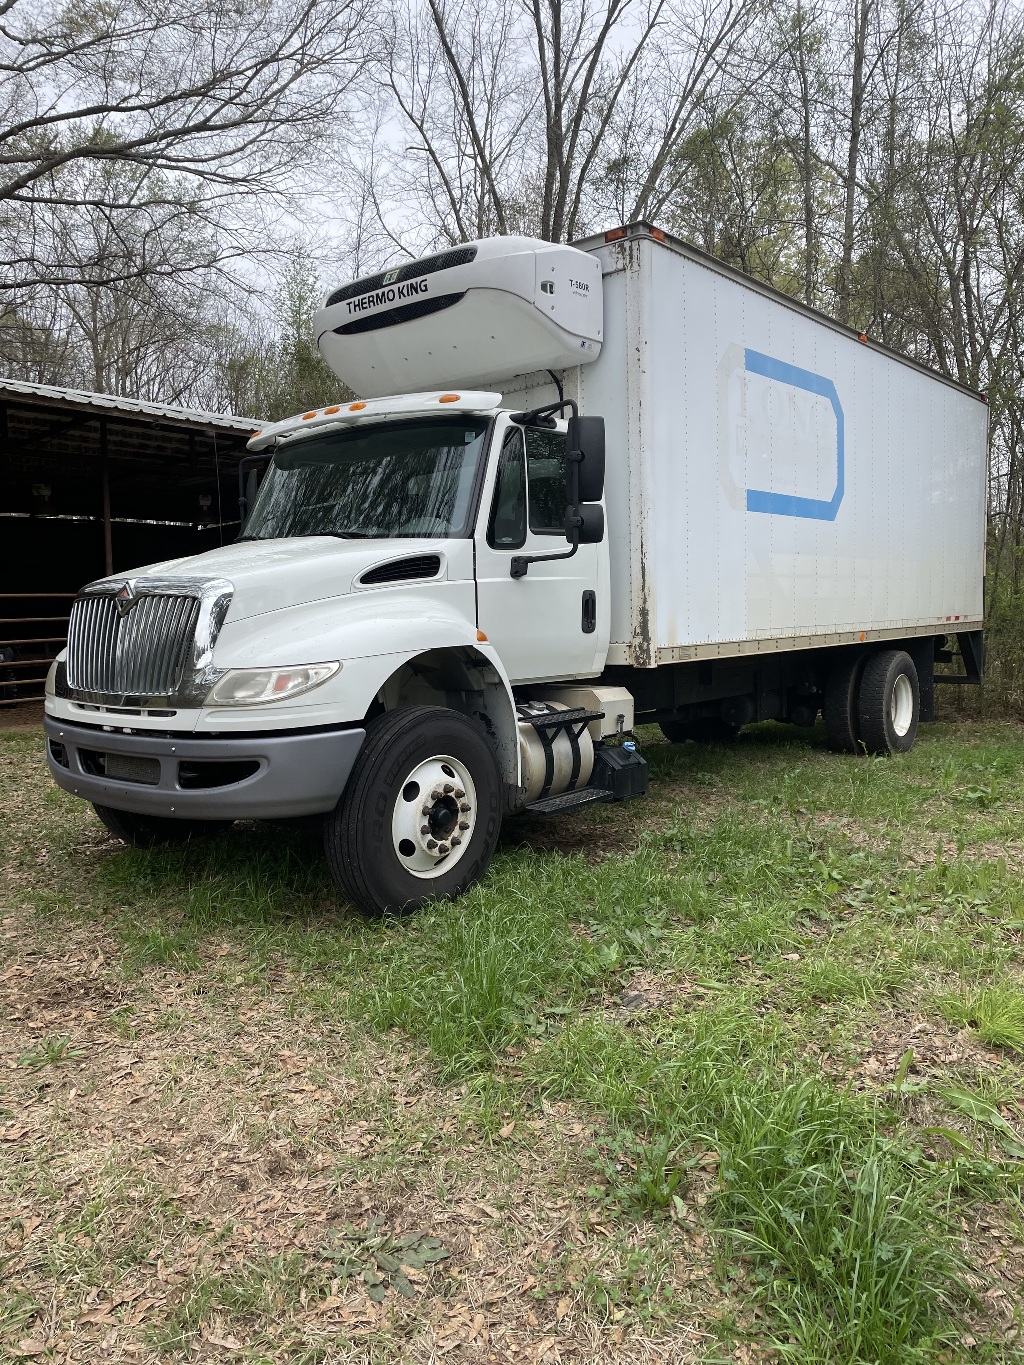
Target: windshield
[396,479]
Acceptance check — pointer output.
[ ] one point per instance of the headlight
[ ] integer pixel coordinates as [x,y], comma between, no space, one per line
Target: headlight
[254,686]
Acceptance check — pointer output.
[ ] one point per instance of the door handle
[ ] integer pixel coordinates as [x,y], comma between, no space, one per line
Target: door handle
[589,619]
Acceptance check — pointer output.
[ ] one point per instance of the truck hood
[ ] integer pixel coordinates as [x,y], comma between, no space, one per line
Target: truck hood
[269,575]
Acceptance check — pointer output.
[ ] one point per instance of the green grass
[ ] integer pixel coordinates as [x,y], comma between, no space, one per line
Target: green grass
[995,1012]
[844,1234]
[788,904]
[49,1052]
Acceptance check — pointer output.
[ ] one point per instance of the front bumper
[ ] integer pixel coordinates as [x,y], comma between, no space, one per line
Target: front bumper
[250,778]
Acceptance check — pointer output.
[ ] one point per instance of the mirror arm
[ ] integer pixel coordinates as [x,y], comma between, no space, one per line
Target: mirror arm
[519,564]
[533,415]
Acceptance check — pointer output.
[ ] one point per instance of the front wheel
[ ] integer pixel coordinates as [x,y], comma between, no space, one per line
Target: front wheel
[420,815]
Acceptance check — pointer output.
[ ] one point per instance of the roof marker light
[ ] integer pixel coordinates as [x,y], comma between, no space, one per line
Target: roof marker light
[657,234]
[307,415]
[329,412]
[482,637]
[862,336]
[356,407]
[449,398]
[615,234]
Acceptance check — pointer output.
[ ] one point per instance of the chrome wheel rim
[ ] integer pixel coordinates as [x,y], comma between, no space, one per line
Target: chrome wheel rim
[434,816]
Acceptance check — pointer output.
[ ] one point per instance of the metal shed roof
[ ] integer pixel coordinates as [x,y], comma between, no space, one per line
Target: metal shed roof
[164,413]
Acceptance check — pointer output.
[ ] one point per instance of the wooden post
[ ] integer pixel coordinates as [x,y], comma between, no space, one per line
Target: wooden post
[108,550]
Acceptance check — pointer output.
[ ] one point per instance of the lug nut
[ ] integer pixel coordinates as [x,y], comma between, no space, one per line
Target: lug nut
[424,829]
[425,810]
[448,788]
[456,839]
[443,849]
[463,824]
[465,807]
[431,844]
[459,793]
[436,794]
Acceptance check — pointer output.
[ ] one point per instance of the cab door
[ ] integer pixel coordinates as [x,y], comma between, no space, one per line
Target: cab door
[552,623]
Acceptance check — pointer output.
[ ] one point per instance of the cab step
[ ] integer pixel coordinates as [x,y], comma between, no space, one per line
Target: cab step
[560,805]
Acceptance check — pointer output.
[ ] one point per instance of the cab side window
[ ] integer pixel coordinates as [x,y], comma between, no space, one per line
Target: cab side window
[507,529]
[545,461]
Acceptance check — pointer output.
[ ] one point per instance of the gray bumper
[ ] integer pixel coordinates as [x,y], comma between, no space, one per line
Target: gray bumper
[277,775]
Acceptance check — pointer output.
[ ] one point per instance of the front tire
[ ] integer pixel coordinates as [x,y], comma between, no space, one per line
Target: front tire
[420,815]
[150,831]
[889,703]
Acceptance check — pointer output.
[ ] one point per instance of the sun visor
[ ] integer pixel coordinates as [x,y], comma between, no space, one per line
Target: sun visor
[474,314]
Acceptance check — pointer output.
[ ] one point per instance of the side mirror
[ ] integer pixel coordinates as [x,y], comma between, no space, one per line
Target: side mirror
[251,486]
[250,468]
[586,434]
[588,520]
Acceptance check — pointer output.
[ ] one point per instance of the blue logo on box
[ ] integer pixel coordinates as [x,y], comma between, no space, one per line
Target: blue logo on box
[786,504]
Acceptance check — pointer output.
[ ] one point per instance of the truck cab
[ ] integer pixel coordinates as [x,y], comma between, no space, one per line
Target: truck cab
[404,590]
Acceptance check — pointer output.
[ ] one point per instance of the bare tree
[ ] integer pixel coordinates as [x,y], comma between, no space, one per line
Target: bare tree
[227,96]
[517,109]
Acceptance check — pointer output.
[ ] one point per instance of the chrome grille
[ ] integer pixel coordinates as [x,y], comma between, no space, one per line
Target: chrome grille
[143,653]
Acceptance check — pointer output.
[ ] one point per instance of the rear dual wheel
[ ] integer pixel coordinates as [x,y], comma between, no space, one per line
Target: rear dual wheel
[873,703]
[889,703]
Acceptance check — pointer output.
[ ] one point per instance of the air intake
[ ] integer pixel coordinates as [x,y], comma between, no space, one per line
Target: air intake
[429,265]
[401,570]
[421,308]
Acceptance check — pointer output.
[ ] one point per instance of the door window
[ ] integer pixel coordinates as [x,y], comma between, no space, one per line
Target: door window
[545,461]
[507,529]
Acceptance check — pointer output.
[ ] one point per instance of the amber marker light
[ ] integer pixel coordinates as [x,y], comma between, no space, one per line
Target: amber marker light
[482,637]
[329,412]
[657,234]
[862,336]
[307,415]
[356,407]
[615,234]
[449,398]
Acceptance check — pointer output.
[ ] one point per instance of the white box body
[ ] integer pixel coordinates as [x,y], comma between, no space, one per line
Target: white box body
[772,481]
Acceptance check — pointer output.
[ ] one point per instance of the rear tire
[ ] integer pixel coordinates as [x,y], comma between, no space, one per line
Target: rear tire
[150,831]
[842,721]
[421,812]
[889,702]
[702,730]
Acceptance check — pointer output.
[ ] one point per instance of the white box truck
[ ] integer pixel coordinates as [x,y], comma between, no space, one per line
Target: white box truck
[582,487]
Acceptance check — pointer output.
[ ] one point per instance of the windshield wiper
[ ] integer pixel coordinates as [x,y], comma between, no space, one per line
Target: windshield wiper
[340,535]
[302,535]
